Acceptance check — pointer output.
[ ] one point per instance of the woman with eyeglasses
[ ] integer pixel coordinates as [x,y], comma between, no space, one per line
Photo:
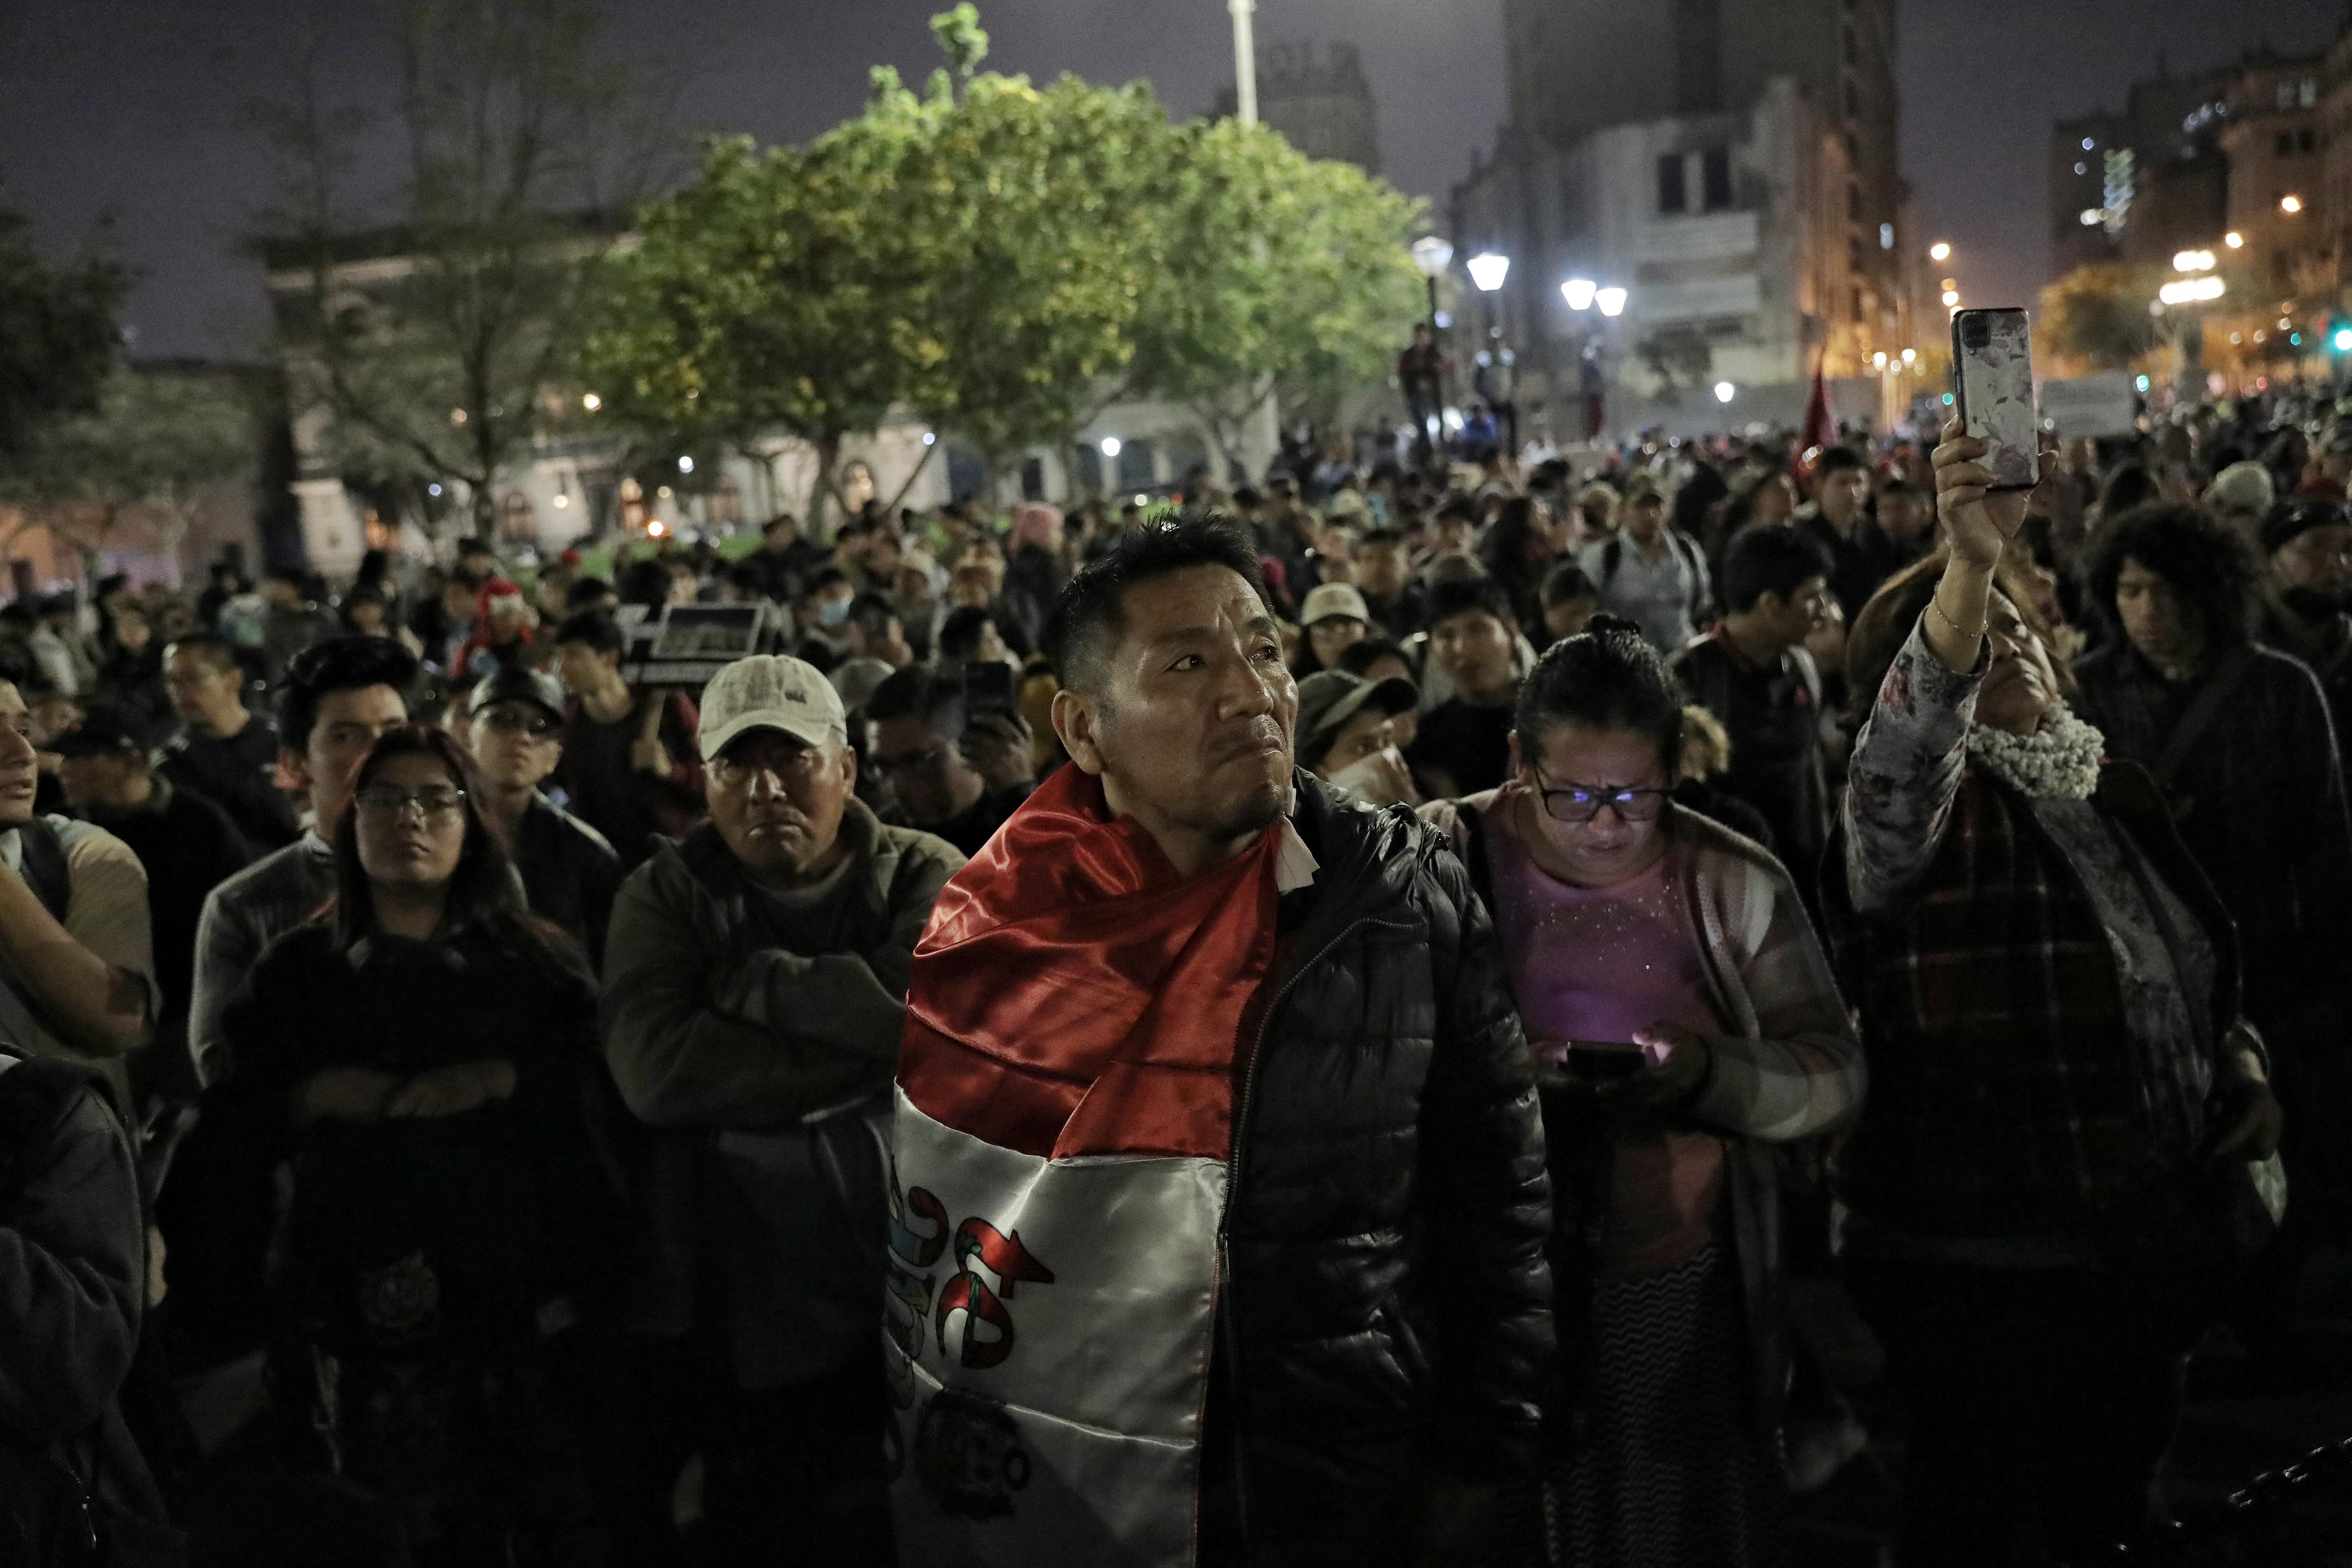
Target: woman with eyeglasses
[1684,1021]
[421,1054]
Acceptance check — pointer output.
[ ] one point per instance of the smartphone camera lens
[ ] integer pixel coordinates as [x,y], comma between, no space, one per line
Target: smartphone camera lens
[1977,333]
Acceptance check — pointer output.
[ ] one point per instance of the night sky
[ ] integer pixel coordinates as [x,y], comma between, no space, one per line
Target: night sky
[128,107]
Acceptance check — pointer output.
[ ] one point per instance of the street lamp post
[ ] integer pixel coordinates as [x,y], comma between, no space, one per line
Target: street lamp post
[1265,422]
[1245,61]
[1432,256]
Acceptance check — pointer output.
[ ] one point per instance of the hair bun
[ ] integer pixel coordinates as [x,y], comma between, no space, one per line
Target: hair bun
[1603,624]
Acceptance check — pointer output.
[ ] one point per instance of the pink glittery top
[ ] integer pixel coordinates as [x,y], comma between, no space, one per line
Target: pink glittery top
[1596,964]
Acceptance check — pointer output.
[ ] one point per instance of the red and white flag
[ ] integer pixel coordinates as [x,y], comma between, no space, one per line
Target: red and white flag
[1065,1117]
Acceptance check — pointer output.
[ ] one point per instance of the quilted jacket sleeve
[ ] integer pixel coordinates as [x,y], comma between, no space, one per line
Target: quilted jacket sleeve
[1488,1193]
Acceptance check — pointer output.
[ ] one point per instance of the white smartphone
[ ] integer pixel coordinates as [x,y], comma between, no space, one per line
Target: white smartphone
[1992,387]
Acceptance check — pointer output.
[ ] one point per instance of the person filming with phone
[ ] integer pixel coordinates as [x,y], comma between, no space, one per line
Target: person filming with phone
[2052,1176]
[958,760]
[1684,1021]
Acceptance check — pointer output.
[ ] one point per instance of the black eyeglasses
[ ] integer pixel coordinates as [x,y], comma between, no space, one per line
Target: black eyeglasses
[389,802]
[1580,803]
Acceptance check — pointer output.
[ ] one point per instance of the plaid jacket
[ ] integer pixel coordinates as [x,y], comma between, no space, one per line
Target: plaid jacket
[2004,1097]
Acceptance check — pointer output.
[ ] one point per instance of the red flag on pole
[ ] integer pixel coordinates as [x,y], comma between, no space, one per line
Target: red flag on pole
[1821,426]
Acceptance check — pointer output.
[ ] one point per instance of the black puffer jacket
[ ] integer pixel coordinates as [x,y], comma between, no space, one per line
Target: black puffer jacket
[1387,1305]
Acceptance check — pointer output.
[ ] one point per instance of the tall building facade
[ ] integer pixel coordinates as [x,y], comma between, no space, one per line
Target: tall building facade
[1319,100]
[1730,163]
[2251,162]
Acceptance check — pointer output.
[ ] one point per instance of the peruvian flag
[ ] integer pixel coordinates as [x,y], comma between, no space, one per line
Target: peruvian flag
[1820,432]
[1065,1117]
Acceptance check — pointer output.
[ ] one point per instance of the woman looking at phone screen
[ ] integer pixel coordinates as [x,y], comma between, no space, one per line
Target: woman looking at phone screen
[1628,920]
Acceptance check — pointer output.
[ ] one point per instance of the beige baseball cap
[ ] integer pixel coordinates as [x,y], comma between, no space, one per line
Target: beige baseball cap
[769,691]
[1331,599]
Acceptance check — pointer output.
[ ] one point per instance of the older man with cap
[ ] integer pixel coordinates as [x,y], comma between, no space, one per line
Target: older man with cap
[755,981]
[569,872]
[1347,735]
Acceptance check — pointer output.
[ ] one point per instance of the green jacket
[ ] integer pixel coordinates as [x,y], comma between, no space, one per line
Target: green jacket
[758,1086]
[705,1027]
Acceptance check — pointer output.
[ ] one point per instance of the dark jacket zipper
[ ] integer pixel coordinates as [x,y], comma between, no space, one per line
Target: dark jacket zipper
[1226,1309]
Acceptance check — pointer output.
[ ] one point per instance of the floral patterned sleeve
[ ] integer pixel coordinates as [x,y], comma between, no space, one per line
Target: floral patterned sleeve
[1904,773]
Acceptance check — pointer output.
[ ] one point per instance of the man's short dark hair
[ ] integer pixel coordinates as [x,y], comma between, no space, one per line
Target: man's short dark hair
[959,632]
[1568,582]
[1478,595]
[1833,458]
[1767,558]
[1372,536]
[339,664]
[594,628]
[781,520]
[1090,615]
[822,579]
[215,649]
[918,693]
[2202,558]
[872,614]
[586,592]
[1458,505]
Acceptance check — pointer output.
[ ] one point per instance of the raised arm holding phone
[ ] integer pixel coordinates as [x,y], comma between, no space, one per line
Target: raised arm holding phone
[2051,1176]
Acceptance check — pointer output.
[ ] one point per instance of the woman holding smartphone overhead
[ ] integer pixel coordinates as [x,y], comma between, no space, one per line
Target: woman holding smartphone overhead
[1676,957]
[2054,1174]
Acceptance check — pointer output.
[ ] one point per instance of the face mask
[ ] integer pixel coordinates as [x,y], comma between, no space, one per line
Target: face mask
[833,612]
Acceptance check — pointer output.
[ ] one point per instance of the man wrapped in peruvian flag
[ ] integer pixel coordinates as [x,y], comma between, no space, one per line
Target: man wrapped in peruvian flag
[1219,1209]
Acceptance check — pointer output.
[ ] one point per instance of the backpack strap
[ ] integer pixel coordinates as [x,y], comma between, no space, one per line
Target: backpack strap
[1612,556]
[2218,687]
[44,865]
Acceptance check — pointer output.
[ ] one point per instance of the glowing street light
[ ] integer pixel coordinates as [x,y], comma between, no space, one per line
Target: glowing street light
[2234,240]
[1879,359]
[1910,356]
[1725,391]
[1488,270]
[1110,445]
[1578,293]
[2193,261]
[2190,290]
[590,402]
[2344,340]
[1610,300]
[2290,204]
[1951,297]
[686,465]
[1940,251]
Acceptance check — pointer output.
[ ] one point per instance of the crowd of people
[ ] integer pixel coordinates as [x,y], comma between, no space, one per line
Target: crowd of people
[1388,975]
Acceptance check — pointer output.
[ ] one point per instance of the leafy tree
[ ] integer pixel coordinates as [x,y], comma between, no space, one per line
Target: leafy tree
[149,447]
[460,351]
[58,333]
[772,294]
[1271,271]
[2097,315]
